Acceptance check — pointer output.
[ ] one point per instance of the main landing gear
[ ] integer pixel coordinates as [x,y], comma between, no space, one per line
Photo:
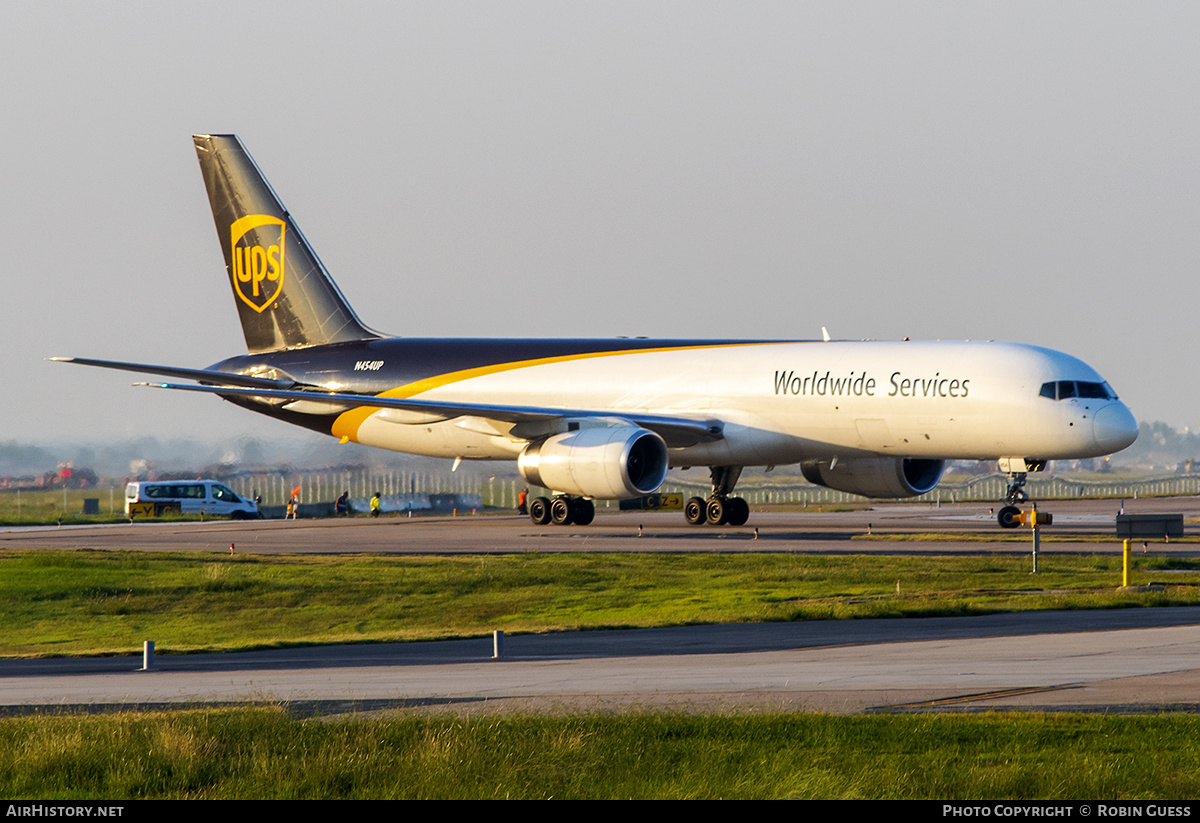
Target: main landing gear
[562,510]
[719,509]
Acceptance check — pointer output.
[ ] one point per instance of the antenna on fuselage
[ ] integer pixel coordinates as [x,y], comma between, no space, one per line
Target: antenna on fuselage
[825,334]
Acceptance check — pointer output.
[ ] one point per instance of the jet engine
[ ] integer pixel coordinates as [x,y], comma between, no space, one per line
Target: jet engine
[876,476]
[604,462]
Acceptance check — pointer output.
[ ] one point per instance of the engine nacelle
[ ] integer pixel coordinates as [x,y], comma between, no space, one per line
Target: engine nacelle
[608,463]
[876,476]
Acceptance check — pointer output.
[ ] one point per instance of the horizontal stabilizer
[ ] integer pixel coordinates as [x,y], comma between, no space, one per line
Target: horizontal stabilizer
[208,376]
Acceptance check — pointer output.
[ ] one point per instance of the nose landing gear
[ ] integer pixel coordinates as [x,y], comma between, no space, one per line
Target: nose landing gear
[1017,470]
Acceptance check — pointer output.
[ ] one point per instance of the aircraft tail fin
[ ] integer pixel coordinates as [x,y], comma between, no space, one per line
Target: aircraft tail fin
[285,297]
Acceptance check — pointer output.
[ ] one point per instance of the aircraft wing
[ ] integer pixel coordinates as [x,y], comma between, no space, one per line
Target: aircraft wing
[678,432]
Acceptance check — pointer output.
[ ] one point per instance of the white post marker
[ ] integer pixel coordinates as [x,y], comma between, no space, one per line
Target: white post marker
[147,656]
[1035,520]
[497,644]
[1037,543]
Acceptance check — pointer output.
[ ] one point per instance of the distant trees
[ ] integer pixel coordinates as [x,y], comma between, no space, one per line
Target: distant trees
[1162,447]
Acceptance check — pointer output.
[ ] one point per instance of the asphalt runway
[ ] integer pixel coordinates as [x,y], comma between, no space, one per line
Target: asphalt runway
[1128,660]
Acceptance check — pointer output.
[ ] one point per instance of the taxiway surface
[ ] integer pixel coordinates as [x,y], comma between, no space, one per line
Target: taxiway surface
[1127,660]
[1090,523]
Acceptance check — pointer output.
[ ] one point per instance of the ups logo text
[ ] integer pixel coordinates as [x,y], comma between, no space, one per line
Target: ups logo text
[257,250]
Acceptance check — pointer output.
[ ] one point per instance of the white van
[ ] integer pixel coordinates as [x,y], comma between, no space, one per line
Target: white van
[151,499]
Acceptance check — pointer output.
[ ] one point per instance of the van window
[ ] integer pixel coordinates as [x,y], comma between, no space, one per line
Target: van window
[224,494]
[175,490]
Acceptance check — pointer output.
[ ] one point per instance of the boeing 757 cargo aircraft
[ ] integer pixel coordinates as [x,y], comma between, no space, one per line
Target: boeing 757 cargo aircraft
[605,419]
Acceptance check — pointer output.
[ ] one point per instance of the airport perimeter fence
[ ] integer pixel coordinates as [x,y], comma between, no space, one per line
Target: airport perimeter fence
[326,486]
[794,491]
[501,492]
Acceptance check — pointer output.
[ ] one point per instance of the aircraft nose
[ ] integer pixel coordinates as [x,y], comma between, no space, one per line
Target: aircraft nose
[1114,427]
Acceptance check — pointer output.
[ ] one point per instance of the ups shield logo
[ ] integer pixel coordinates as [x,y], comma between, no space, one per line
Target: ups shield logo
[257,249]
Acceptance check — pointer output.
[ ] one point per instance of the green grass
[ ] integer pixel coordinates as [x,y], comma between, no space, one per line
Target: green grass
[90,602]
[46,508]
[264,753]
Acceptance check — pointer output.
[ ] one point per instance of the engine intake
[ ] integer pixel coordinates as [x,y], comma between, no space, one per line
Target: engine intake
[606,463]
[876,476]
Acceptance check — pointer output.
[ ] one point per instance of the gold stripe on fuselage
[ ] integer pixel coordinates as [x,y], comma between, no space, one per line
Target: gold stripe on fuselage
[347,424]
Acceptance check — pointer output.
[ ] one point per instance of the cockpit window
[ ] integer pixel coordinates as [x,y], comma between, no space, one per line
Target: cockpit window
[1065,389]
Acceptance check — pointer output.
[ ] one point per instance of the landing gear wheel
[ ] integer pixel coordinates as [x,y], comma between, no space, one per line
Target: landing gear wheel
[693,511]
[737,511]
[584,511]
[1007,518]
[561,511]
[716,512]
[539,511]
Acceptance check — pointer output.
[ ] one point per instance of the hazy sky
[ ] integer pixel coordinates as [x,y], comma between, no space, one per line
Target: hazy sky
[1022,171]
